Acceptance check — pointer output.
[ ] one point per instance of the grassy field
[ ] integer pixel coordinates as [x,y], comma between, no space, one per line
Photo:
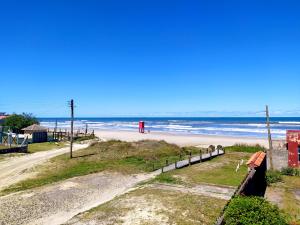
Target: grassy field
[123,157]
[284,194]
[245,148]
[154,206]
[45,146]
[218,171]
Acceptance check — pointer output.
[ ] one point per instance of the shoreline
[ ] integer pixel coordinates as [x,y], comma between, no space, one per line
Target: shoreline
[180,139]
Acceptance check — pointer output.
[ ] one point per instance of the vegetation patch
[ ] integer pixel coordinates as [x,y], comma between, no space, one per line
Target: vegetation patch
[273,176]
[289,200]
[45,146]
[167,178]
[245,148]
[19,121]
[252,210]
[218,171]
[123,157]
[289,171]
[154,206]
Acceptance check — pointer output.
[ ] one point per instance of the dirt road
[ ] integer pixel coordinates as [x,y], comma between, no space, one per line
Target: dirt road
[59,202]
[15,169]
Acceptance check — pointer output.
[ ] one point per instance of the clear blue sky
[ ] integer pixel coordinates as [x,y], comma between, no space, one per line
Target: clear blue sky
[150,57]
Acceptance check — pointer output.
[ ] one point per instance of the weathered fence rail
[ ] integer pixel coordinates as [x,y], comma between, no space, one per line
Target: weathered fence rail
[192,160]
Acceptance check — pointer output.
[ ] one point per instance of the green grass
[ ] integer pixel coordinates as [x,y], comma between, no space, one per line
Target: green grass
[218,171]
[245,148]
[288,203]
[167,178]
[124,157]
[45,146]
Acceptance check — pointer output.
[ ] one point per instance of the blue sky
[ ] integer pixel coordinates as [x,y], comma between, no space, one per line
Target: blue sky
[155,58]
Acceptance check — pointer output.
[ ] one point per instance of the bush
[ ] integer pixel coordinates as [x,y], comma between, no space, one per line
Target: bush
[245,148]
[252,210]
[289,171]
[19,121]
[273,176]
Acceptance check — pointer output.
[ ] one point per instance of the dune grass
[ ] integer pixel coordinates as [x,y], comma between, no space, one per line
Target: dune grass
[123,157]
[245,148]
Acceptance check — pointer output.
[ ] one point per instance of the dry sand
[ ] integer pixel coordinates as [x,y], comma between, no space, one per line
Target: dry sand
[180,139]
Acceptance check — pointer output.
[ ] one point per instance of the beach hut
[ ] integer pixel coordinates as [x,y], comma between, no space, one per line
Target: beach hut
[37,133]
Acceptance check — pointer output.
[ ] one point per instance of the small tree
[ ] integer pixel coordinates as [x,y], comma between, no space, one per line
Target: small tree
[19,121]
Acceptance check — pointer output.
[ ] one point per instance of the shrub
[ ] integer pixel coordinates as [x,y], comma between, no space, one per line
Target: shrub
[20,121]
[273,176]
[289,171]
[245,148]
[252,210]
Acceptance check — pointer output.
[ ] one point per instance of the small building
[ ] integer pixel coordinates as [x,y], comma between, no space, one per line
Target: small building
[36,133]
[293,146]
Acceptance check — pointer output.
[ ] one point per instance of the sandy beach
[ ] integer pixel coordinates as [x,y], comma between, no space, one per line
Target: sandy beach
[180,139]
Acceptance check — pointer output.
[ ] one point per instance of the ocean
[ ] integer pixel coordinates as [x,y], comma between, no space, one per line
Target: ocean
[222,126]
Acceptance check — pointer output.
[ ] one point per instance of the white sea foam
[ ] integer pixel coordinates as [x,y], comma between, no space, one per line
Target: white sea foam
[289,122]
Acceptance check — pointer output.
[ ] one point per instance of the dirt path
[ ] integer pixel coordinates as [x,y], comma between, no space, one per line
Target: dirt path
[206,190]
[15,169]
[57,203]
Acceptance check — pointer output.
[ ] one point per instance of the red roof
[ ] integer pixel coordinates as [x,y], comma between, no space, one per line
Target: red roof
[256,159]
[2,117]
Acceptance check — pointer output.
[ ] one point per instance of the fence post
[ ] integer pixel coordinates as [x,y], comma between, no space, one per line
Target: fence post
[175,164]
[190,160]
[200,153]
[162,169]
[153,167]
[167,162]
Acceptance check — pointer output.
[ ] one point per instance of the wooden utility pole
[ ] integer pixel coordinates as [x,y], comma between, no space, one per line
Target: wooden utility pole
[72,121]
[269,138]
[55,126]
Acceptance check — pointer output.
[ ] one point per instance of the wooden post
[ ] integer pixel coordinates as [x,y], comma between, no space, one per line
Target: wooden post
[175,164]
[162,169]
[72,121]
[189,160]
[200,153]
[153,167]
[167,162]
[269,138]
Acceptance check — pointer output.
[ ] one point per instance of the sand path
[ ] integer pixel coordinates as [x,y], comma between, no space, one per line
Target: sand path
[57,203]
[15,169]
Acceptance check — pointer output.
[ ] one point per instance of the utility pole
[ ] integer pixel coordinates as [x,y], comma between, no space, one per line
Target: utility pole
[72,121]
[55,125]
[269,138]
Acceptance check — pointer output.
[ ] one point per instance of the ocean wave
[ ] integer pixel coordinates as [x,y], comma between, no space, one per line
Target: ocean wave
[290,122]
